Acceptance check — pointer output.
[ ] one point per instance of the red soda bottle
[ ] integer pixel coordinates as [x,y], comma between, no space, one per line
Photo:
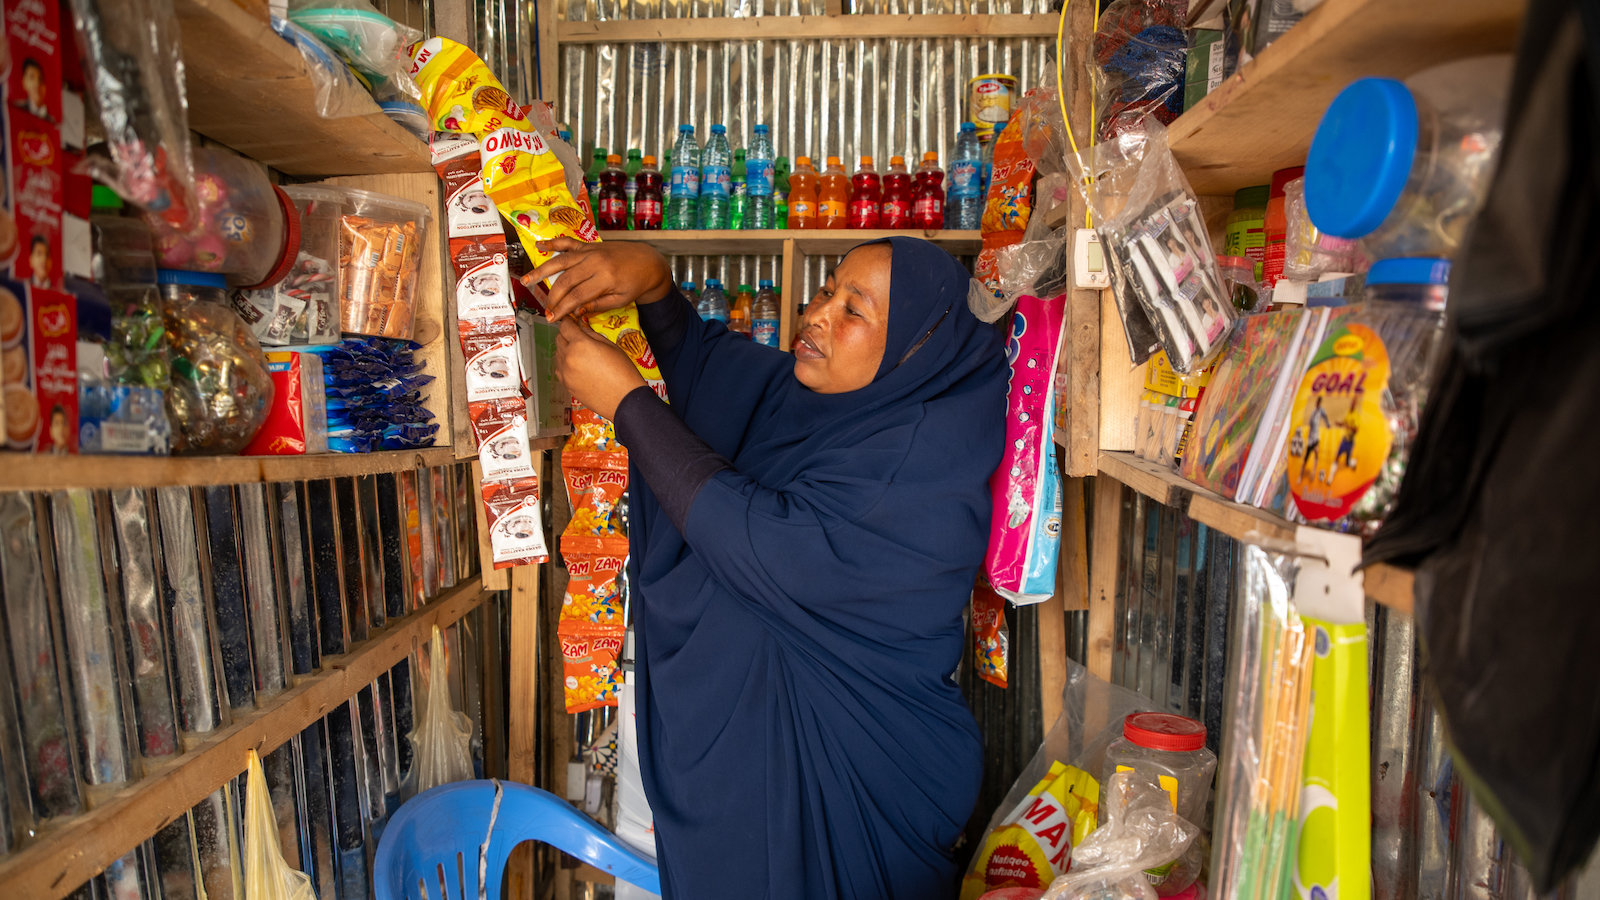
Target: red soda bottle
[865,196]
[927,205]
[647,197]
[613,212]
[896,208]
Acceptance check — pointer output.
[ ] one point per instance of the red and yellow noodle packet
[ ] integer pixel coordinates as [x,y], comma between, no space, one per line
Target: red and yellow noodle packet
[520,173]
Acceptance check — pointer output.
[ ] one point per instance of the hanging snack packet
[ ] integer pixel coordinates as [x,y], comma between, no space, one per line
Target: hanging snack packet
[494,365]
[1009,203]
[1034,843]
[589,652]
[592,565]
[520,173]
[990,638]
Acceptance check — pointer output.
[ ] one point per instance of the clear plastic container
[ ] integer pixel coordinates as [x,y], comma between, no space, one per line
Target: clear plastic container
[1424,280]
[381,242]
[1245,233]
[240,228]
[1405,166]
[1170,749]
[303,308]
[221,389]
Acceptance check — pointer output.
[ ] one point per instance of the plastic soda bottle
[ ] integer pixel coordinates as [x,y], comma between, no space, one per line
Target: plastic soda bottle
[690,294]
[591,177]
[966,180]
[833,196]
[716,180]
[612,212]
[685,199]
[866,196]
[630,186]
[713,303]
[927,199]
[740,316]
[740,205]
[988,165]
[895,210]
[803,194]
[765,315]
[780,192]
[758,179]
[647,200]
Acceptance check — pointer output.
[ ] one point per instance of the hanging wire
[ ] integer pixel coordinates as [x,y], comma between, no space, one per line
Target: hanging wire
[1061,92]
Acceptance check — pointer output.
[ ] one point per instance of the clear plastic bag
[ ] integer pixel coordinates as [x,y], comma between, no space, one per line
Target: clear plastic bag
[1140,832]
[372,43]
[1163,268]
[1140,50]
[339,92]
[1022,268]
[1308,253]
[131,55]
[266,875]
[441,749]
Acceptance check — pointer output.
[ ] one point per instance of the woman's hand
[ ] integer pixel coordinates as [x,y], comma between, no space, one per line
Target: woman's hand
[594,369]
[597,277]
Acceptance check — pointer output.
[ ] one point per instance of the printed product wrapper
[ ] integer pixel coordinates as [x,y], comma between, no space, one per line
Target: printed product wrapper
[590,674]
[1010,200]
[520,174]
[1033,844]
[990,638]
[516,536]
[595,482]
[1026,526]
[592,566]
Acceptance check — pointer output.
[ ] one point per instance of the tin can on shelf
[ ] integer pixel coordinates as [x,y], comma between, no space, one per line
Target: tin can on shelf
[989,101]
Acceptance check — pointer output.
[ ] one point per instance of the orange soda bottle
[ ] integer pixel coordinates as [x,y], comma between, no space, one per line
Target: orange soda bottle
[833,198]
[803,194]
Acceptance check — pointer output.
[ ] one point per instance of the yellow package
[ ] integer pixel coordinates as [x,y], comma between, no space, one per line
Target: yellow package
[1034,843]
[520,173]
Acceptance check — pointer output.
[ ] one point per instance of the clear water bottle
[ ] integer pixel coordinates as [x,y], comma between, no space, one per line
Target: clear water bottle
[740,207]
[766,315]
[964,198]
[685,180]
[690,294]
[988,162]
[716,180]
[713,302]
[760,180]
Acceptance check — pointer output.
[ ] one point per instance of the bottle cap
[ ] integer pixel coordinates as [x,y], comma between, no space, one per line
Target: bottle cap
[649,160]
[613,159]
[833,161]
[999,127]
[1418,270]
[866,162]
[765,282]
[718,129]
[1361,157]
[600,152]
[897,160]
[969,126]
[1253,197]
[930,156]
[762,129]
[712,282]
[1164,731]
[1282,177]
[633,153]
[802,160]
[686,128]
[746,289]
[102,197]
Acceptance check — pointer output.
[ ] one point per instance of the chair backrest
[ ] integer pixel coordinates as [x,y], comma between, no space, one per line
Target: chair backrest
[429,850]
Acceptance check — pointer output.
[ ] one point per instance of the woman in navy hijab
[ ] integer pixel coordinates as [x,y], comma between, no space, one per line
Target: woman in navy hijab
[805,532]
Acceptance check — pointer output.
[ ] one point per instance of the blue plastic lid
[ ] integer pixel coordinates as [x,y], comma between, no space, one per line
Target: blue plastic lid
[712,282]
[194,279]
[688,128]
[1413,270]
[999,127]
[687,285]
[762,129]
[968,126]
[1361,157]
[718,129]
[765,282]
[401,106]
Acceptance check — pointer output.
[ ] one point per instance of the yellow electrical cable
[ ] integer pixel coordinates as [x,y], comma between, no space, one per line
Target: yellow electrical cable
[1061,90]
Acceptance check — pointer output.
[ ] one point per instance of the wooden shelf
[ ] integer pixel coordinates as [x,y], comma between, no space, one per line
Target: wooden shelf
[770,243]
[1262,118]
[251,91]
[71,853]
[29,472]
[756,28]
[1385,584]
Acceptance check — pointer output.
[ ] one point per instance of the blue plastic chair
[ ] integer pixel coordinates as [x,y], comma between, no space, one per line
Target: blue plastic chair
[430,847]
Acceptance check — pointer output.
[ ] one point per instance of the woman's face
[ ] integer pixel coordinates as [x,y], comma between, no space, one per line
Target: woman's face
[846,325]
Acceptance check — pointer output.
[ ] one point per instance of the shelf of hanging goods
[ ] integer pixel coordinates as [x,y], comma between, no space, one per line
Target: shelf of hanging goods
[71,852]
[30,472]
[770,242]
[1385,584]
[250,90]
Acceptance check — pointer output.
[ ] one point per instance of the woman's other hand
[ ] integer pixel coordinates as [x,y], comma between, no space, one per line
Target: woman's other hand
[594,369]
[597,277]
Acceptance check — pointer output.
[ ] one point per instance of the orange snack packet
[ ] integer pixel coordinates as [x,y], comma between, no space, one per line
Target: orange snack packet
[589,654]
[990,638]
[592,566]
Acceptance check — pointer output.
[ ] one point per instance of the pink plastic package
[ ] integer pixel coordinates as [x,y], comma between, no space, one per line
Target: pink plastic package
[1025,529]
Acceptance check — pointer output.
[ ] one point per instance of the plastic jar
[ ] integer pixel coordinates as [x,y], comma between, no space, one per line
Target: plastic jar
[304,307]
[239,229]
[1423,280]
[1405,166]
[1239,277]
[221,389]
[1170,749]
[1245,233]
[381,242]
[1277,225]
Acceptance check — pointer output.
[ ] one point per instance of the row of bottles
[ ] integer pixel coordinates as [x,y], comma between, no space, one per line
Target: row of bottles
[724,188]
[753,314]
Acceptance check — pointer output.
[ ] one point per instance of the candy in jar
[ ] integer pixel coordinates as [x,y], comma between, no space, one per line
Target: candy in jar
[221,388]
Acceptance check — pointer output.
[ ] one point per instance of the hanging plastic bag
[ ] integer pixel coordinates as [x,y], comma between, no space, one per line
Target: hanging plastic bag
[1140,50]
[340,92]
[441,743]
[266,875]
[1155,237]
[131,54]
[1140,832]
[371,42]
[1035,842]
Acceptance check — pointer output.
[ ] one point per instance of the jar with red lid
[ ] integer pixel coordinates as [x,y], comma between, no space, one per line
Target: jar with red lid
[1170,749]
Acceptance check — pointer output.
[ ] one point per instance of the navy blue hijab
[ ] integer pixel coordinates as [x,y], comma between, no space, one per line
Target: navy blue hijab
[800,736]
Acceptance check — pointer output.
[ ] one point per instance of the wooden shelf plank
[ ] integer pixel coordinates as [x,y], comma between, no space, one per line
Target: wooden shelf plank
[770,242]
[27,472]
[250,90]
[756,28]
[77,850]
[1262,118]
[1385,584]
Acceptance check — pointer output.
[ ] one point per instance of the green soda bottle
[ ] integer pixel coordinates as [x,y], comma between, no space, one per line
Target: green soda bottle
[780,191]
[630,187]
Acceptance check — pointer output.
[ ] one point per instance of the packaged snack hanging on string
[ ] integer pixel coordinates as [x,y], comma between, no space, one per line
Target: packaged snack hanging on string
[511,509]
[1033,844]
[590,673]
[991,639]
[1009,203]
[596,470]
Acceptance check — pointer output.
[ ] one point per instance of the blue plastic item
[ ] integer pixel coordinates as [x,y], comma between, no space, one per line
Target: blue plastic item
[1416,270]
[1361,157]
[432,828]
